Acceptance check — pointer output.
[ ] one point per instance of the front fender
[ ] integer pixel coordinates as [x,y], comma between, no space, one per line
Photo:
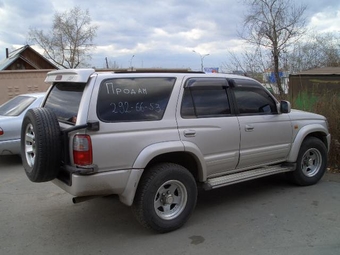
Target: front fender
[301,135]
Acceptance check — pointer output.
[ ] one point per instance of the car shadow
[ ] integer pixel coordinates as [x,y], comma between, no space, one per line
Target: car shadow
[114,218]
[10,160]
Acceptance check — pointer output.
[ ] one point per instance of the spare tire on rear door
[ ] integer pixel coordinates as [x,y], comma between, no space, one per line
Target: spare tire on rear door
[41,145]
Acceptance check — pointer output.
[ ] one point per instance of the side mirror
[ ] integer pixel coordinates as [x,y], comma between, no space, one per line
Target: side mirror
[285,107]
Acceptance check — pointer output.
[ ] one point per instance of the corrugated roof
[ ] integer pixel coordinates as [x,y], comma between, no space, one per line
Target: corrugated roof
[321,71]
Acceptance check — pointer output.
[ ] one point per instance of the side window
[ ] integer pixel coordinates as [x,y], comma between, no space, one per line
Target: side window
[134,99]
[254,101]
[200,102]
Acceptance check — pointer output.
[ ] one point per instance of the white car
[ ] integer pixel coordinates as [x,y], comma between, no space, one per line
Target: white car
[11,115]
[153,138]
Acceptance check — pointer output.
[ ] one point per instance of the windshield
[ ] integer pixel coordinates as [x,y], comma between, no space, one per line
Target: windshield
[16,105]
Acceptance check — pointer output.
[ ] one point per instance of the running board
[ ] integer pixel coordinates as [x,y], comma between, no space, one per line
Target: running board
[229,179]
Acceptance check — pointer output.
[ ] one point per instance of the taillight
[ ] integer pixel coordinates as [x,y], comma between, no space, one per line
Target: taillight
[82,150]
[1,131]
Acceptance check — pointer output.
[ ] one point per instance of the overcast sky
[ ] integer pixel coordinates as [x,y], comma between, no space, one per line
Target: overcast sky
[153,33]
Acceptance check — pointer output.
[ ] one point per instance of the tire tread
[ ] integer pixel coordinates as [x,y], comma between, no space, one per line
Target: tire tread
[297,177]
[48,145]
[139,207]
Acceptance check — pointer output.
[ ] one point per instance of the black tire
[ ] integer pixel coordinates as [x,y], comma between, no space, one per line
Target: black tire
[311,163]
[165,198]
[40,145]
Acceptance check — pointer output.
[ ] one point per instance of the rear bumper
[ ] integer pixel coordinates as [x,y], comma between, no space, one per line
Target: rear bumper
[10,147]
[121,182]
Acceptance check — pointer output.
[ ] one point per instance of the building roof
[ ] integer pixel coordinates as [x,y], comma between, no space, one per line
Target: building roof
[321,71]
[17,54]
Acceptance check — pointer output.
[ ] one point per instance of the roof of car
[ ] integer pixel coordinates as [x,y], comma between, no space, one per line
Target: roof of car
[83,75]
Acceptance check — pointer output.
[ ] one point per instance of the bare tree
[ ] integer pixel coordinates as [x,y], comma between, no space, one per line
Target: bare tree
[251,62]
[273,24]
[317,50]
[111,65]
[70,39]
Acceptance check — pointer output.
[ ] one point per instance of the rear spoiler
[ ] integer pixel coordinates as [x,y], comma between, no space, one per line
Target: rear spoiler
[69,75]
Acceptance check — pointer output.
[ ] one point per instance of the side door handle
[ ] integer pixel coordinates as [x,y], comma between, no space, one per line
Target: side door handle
[189,133]
[249,128]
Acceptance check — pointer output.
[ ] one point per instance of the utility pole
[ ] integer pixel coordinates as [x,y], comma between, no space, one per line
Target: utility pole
[131,61]
[202,58]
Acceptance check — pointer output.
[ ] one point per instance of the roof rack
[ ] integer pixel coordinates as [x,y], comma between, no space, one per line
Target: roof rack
[149,70]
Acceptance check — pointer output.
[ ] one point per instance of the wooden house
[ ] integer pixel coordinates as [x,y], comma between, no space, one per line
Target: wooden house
[25,58]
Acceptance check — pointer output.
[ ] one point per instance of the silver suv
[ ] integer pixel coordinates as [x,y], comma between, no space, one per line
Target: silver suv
[152,138]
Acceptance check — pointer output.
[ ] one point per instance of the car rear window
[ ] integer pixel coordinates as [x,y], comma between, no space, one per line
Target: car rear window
[16,105]
[134,99]
[64,100]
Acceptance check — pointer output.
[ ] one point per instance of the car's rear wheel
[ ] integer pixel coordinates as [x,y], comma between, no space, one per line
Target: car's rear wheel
[165,198]
[40,145]
[311,163]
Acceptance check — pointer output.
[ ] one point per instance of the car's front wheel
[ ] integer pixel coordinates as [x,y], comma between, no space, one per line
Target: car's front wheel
[311,163]
[165,198]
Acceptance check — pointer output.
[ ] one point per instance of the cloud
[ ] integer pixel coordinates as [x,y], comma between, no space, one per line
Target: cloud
[16,17]
[157,33]
[327,21]
[145,27]
[169,27]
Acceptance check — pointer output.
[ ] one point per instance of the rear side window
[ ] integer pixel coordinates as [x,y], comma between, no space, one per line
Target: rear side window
[204,98]
[205,102]
[16,106]
[64,100]
[134,99]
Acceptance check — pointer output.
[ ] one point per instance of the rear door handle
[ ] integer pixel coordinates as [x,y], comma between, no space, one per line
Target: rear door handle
[249,128]
[189,133]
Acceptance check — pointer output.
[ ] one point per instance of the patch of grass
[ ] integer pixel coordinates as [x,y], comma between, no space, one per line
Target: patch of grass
[305,102]
[328,105]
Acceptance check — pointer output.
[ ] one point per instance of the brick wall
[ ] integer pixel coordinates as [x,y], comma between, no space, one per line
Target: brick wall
[16,82]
